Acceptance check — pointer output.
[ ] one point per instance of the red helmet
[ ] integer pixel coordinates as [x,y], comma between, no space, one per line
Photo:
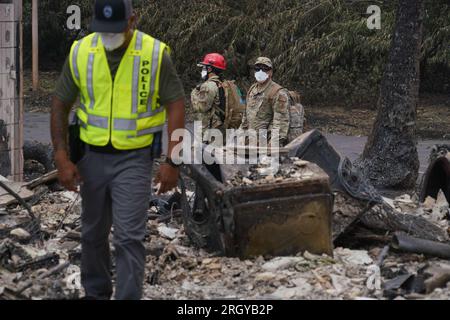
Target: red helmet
[214,60]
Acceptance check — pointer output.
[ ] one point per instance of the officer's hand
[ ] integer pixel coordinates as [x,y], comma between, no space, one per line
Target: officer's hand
[167,177]
[68,174]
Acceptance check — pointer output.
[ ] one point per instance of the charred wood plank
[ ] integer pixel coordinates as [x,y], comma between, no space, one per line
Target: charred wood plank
[46,261]
[346,213]
[45,179]
[47,274]
[384,218]
[19,199]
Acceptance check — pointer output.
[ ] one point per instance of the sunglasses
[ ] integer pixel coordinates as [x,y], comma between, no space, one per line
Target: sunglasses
[263,68]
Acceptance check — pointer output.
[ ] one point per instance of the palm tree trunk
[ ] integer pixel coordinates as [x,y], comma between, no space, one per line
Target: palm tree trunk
[390,158]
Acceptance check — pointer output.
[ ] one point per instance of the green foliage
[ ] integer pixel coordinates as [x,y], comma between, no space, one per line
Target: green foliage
[322,48]
[54,37]
[435,64]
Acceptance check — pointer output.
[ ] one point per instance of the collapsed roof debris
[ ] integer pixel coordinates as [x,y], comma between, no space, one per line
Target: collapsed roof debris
[176,270]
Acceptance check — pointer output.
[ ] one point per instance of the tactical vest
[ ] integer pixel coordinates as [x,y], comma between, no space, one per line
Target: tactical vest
[126,111]
[296,109]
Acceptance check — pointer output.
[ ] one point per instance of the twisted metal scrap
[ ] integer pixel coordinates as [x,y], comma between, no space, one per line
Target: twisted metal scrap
[357,186]
[34,226]
[19,199]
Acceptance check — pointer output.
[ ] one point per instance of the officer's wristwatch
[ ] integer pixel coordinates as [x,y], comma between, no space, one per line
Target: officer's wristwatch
[170,162]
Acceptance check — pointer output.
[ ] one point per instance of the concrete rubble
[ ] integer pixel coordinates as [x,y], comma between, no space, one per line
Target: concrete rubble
[49,267]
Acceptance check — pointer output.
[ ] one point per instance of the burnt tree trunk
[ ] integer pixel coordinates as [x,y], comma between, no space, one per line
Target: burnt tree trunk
[390,158]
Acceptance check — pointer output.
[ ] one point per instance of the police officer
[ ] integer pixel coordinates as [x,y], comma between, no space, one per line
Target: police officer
[207,103]
[128,87]
[267,103]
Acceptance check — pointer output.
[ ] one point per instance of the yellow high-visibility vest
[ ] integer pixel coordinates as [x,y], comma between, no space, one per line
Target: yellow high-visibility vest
[127,111]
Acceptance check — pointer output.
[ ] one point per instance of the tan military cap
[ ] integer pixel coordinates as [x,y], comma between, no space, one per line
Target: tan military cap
[264,61]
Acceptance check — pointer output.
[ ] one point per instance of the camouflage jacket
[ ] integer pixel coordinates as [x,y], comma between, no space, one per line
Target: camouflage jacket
[205,101]
[265,113]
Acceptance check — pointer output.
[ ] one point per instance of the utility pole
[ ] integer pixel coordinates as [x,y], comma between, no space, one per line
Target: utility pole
[35,36]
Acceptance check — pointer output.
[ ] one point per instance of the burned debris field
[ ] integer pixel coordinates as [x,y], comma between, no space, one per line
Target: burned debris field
[313,161]
[393,248]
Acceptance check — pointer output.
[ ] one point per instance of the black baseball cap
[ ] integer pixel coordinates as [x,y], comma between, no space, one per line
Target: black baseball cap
[111,16]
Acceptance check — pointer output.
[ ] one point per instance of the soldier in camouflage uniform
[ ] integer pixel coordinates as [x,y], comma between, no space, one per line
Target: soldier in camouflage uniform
[267,103]
[205,98]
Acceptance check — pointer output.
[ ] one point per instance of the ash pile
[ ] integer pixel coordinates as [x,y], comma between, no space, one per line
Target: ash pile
[39,252]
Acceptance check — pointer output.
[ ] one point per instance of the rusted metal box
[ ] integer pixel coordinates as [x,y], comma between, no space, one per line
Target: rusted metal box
[276,218]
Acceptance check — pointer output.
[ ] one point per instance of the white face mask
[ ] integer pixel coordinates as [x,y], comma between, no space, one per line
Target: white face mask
[112,41]
[261,76]
[204,74]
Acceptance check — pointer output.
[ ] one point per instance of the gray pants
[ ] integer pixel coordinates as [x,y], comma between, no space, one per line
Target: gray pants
[115,192]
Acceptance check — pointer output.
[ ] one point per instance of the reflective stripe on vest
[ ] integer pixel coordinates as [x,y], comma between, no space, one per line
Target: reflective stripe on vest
[90,73]
[74,61]
[125,112]
[150,131]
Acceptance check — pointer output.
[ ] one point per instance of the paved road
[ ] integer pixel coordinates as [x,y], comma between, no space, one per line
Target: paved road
[352,147]
[37,128]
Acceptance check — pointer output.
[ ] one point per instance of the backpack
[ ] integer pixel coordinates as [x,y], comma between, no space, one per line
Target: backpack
[232,103]
[296,111]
